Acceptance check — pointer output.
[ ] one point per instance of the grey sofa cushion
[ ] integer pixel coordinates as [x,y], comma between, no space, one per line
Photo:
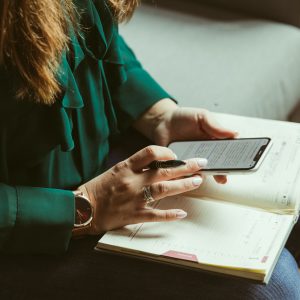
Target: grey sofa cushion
[226,64]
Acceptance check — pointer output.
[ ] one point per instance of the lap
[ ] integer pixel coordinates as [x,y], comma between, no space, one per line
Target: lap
[293,243]
[83,273]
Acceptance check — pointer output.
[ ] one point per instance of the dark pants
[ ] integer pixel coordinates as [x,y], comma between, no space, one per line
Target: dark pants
[84,274]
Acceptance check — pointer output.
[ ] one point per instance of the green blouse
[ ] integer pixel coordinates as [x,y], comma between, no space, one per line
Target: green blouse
[47,151]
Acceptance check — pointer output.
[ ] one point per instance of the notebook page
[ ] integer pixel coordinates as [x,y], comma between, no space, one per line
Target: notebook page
[275,185]
[216,233]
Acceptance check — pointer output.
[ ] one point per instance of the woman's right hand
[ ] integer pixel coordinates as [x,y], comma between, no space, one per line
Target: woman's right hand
[117,195]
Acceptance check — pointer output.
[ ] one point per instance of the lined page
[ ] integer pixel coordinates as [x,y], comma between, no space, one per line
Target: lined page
[217,233]
[275,185]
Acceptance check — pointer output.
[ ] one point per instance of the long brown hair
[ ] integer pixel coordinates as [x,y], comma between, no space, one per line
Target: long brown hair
[33,35]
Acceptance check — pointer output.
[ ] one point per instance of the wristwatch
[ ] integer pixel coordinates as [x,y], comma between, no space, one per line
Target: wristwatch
[83,214]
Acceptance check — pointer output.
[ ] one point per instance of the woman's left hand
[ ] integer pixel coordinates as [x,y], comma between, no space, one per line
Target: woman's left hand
[189,124]
[165,122]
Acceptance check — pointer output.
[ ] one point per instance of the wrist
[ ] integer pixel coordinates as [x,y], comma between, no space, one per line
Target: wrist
[162,132]
[154,123]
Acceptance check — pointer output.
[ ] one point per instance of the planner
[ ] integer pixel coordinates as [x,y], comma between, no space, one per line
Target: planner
[237,229]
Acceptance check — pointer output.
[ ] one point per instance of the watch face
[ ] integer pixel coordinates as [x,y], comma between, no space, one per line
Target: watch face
[83,214]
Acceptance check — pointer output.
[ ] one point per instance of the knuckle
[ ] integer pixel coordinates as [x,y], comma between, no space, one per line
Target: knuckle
[205,111]
[162,188]
[150,151]
[121,166]
[166,173]
[152,216]
[192,165]
[170,215]
[203,114]
[167,215]
[163,217]
[125,184]
[187,185]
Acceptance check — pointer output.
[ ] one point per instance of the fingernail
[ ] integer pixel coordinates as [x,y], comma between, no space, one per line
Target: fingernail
[175,156]
[180,214]
[202,162]
[197,181]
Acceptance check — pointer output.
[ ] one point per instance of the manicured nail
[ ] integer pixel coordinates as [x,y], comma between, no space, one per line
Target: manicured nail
[197,181]
[202,162]
[180,214]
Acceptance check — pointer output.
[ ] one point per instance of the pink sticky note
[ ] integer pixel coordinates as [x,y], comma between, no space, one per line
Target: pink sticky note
[181,255]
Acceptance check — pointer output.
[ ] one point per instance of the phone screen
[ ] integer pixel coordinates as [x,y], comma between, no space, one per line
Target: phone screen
[231,154]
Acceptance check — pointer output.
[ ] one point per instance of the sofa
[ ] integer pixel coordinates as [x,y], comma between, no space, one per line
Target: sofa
[227,56]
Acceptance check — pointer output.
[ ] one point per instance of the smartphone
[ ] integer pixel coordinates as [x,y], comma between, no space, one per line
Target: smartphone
[233,156]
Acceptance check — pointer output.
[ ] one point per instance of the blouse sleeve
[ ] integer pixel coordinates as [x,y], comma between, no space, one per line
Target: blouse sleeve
[139,92]
[35,220]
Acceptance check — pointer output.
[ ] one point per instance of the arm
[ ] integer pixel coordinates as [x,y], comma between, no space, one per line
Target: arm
[144,103]
[35,220]
[139,92]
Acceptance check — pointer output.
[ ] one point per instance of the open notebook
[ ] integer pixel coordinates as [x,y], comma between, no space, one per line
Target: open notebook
[237,229]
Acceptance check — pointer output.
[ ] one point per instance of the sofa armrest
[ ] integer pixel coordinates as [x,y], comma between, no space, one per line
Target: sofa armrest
[285,11]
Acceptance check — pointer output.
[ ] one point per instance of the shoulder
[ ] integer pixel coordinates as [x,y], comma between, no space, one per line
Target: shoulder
[12,109]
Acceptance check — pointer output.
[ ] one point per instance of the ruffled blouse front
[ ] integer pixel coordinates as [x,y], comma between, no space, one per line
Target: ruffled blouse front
[46,150]
[100,46]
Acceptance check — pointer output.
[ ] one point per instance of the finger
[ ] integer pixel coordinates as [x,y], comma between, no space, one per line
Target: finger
[222,179]
[169,188]
[157,215]
[209,124]
[144,157]
[192,166]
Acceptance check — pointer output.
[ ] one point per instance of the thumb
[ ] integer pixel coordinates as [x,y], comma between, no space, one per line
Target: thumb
[214,129]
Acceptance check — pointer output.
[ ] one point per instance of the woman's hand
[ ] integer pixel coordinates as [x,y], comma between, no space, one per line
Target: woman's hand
[118,194]
[186,123]
[165,122]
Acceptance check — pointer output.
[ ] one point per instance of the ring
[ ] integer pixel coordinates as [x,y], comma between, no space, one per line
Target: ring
[147,195]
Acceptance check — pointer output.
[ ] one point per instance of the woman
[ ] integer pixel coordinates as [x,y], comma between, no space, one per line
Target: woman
[69,83]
